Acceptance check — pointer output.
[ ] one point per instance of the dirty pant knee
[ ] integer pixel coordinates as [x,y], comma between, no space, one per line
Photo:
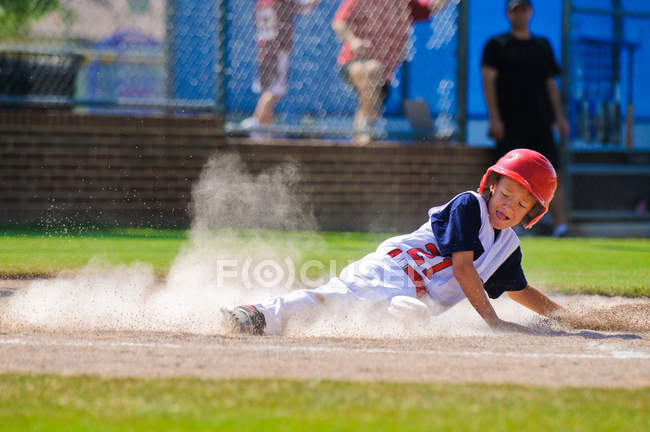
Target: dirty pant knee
[307,304]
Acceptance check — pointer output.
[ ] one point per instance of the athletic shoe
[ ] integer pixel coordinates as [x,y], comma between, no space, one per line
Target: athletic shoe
[246,320]
[561,231]
[255,129]
[249,123]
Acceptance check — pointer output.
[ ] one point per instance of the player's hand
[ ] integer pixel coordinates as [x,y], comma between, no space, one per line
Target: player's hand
[437,5]
[502,326]
[496,130]
[563,127]
[577,321]
[357,45]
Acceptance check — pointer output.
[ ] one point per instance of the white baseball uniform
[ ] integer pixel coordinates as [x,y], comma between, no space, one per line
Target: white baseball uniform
[417,265]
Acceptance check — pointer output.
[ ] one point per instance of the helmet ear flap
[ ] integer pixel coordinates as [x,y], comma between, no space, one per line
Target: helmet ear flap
[532,214]
[492,179]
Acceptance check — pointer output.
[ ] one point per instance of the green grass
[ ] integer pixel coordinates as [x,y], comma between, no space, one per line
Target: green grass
[52,403]
[34,253]
[596,266]
[590,266]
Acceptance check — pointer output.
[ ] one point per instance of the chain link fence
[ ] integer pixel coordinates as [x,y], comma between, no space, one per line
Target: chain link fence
[271,67]
[323,88]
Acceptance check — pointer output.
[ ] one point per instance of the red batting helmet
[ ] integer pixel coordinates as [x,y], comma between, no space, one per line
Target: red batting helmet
[531,170]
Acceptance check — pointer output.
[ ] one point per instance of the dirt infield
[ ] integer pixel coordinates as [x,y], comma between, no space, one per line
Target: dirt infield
[615,357]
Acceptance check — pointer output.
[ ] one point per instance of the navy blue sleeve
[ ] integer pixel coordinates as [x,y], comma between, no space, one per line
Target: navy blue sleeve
[456,227]
[508,277]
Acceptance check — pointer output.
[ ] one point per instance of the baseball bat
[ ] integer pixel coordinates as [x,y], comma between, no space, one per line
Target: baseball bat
[629,127]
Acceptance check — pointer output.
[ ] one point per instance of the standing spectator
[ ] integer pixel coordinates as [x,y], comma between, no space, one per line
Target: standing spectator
[523,100]
[374,35]
[274,33]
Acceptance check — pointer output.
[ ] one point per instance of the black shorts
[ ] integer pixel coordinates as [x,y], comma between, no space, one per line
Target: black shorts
[345,73]
[539,139]
[272,71]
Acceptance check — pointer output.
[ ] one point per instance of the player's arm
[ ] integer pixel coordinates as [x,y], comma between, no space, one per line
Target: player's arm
[342,30]
[489,77]
[472,286]
[538,302]
[556,103]
[339,23]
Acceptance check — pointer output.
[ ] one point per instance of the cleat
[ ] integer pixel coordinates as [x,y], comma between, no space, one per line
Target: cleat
[246,320]
[561,231]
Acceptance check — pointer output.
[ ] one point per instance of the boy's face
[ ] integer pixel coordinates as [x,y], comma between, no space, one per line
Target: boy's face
[509,204]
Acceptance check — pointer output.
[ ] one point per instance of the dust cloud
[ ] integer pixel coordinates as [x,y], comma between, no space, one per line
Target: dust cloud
[617,314]
[226,261]
[228,196]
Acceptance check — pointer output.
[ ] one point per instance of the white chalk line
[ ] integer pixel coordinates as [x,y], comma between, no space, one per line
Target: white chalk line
[610,355]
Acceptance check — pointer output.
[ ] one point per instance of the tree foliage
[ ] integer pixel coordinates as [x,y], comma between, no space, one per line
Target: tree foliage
[15,15]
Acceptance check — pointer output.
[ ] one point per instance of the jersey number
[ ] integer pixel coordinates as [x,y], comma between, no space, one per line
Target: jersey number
[418,256]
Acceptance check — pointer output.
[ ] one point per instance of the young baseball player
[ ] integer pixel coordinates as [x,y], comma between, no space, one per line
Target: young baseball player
[466,249]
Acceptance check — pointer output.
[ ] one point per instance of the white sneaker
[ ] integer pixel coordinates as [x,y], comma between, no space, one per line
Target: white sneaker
[561,231]
[255,131]
[249,123]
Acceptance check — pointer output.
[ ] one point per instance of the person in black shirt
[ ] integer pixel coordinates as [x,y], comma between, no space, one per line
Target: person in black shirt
[523,100]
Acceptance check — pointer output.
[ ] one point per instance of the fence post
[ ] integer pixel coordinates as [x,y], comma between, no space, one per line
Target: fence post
[170,53]
[461,77]
[565,153]
[222,58]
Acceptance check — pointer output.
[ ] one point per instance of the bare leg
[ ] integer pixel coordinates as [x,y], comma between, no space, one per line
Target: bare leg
[558,210]
[366,77]
[264,109]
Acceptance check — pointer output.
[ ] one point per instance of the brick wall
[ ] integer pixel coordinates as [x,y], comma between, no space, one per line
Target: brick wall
[66,168]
